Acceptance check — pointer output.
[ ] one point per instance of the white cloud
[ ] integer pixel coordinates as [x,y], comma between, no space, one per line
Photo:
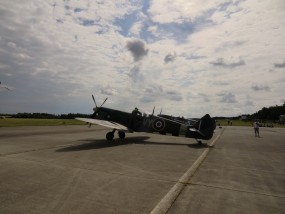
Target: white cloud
[225,57]
[178,11]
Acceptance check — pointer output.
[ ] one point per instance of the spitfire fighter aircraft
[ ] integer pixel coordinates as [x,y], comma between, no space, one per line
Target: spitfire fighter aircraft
[122,122]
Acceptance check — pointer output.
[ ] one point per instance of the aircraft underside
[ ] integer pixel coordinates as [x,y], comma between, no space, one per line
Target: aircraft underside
[121,134]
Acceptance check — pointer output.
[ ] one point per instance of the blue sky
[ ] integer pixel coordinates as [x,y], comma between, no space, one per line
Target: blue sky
[225,58]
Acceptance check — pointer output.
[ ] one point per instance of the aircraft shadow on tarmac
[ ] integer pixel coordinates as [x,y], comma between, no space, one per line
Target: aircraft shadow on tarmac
[101,144]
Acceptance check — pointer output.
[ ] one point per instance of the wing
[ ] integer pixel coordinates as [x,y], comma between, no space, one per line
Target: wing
[196,130]
[109,124]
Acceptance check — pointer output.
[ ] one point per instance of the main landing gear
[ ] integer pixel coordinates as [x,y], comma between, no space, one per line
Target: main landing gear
[110,135]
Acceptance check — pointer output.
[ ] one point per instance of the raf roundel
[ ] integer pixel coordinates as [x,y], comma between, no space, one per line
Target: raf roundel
[158,124]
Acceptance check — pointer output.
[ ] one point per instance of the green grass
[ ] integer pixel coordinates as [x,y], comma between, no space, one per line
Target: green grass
[10,122]
[234,123]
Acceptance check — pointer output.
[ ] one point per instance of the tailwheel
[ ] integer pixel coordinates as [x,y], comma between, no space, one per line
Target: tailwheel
[122,135]
[110,136]
[199,142]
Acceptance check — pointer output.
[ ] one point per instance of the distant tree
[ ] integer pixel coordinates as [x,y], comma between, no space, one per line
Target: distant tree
[270,113]
[49,116]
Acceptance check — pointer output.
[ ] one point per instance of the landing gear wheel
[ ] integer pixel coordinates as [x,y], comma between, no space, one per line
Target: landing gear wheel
[122,135]
[110,136]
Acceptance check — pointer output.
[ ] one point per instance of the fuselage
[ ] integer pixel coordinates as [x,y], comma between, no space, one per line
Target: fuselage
[138,122]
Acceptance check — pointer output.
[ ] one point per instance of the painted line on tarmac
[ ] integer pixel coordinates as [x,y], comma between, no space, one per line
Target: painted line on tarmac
[166,202]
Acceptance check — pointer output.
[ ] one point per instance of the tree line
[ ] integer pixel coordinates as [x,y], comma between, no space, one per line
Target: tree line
[49,116]
[267,113]
[271,113]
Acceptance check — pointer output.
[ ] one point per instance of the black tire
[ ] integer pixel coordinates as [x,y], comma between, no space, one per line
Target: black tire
[122,135]
[110,136]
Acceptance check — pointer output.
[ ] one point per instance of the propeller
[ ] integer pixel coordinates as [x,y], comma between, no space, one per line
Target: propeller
[94,100]
[104,101]
[95,109]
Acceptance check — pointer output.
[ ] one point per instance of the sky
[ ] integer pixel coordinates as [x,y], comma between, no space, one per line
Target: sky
[186,57]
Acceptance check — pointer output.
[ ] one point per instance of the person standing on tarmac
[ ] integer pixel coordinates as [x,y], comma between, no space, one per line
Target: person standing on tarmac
[256,128]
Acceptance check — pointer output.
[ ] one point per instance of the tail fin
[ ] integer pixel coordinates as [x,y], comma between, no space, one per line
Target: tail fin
[205,127]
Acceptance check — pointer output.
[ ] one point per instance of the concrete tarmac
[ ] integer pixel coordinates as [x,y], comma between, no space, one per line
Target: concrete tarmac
[73,169]
[242,174]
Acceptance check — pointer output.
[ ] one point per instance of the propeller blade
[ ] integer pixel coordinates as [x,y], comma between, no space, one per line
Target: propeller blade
[104,102]
[94,100]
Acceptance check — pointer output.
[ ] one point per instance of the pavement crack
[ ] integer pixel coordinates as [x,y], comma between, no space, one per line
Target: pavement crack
[237,190]
[38,149]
